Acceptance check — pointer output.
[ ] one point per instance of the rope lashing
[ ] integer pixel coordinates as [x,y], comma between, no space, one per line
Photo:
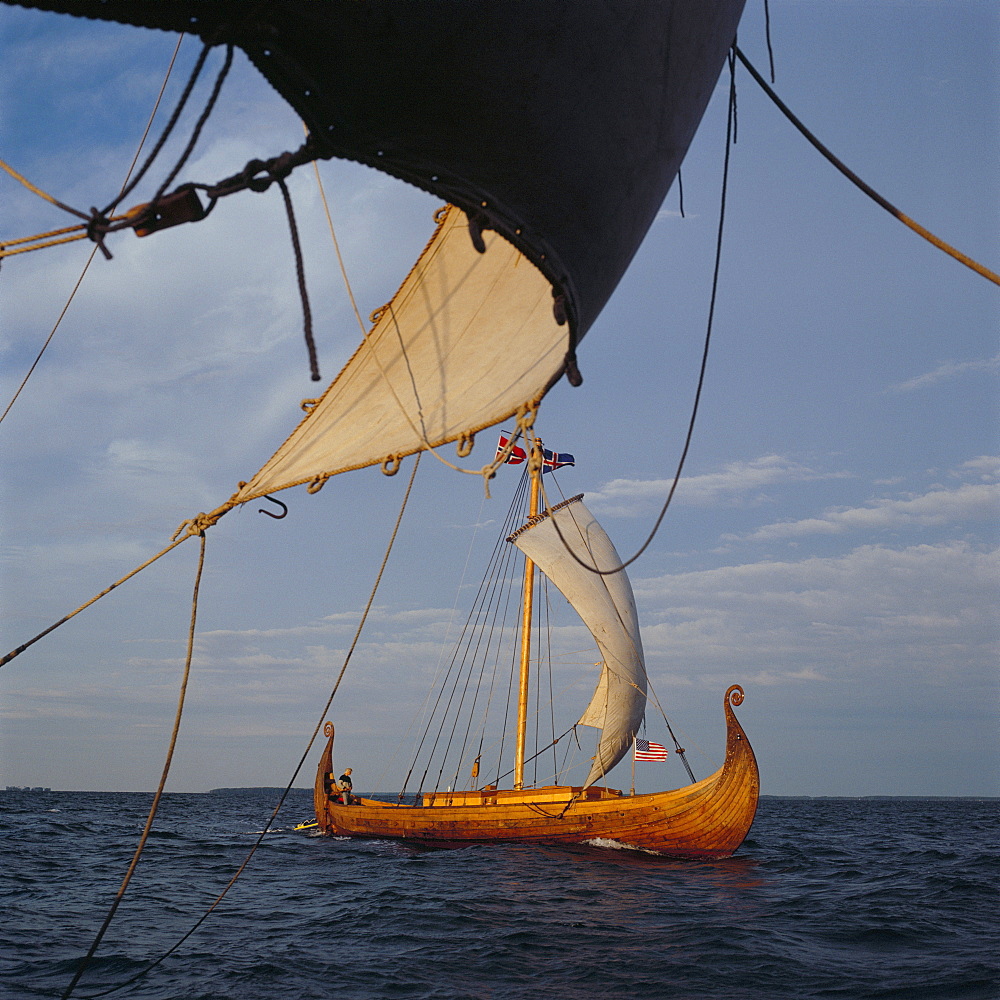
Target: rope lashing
[182,205]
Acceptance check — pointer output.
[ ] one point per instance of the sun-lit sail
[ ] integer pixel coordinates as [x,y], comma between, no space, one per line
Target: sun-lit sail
[607,607]
[467,340]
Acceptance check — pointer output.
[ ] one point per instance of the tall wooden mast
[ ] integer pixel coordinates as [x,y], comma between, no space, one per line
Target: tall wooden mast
[535,468]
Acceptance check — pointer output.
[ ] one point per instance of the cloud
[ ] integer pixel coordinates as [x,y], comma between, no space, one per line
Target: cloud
[737,482]
[979,501]
[885,614]
[945,371]
[987,467]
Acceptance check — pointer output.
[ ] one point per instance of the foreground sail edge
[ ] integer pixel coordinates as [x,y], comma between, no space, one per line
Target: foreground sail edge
[709,819]
[468,340]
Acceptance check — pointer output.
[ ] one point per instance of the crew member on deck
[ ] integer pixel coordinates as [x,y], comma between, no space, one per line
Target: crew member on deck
[346,786]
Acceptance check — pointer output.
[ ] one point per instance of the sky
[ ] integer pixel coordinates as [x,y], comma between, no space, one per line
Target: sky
[833,544]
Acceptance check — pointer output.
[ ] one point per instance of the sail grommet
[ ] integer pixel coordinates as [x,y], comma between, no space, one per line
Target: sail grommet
[317,484]
[308,405]
[464,445]
[391,464]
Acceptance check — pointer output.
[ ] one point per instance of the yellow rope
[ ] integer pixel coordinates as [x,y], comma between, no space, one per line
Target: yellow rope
[37,190]
[54,232]
[4,252]
[80,235]
[83,607]
[163,780]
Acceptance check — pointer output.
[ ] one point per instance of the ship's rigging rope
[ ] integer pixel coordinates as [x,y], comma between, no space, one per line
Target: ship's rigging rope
[182,205]
[163,780]
[107,590]
[90,258]
[189,86]
[489,607]
[451,737]
[861,185]
[291,781]
[767,36]
[100,221]
[730,140]
[737,53]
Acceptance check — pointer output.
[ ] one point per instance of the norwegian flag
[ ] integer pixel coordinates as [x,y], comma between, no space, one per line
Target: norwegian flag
[516,456]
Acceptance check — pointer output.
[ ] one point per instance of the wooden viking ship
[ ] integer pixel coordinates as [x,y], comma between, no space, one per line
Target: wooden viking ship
[706,819]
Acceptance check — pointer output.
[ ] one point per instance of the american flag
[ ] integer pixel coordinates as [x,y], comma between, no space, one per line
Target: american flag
[644,750]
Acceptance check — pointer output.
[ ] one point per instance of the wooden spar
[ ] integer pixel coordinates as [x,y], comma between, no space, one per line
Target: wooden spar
[709,819]
[535,468]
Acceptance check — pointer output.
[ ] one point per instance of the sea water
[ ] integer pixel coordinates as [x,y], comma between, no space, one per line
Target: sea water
[839,898]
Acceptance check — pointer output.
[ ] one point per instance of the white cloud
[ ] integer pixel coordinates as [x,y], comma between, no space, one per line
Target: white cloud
[737,482]
[947,370]
[980,501]
[924,610]
[987,467]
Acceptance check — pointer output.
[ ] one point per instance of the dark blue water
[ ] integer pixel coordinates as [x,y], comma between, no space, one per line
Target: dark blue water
[843,898]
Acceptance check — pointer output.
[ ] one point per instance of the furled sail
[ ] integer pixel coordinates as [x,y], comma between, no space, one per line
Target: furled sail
[467,340]
[607,607]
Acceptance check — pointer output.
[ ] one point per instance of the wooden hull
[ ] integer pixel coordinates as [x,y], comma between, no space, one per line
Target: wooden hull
[709,819]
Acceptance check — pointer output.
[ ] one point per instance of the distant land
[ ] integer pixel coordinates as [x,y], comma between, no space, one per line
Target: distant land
[272,790]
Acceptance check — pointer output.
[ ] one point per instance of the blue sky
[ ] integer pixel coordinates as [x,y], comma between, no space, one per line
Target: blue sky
[833,546]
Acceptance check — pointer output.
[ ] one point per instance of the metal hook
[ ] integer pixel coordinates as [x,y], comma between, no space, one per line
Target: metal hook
[283,506]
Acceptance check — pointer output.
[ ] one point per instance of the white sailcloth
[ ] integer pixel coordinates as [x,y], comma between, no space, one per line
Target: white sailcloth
[467,340]
[607,607]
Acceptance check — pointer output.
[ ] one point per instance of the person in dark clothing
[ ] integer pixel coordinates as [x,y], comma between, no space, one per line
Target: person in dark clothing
[346,786]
